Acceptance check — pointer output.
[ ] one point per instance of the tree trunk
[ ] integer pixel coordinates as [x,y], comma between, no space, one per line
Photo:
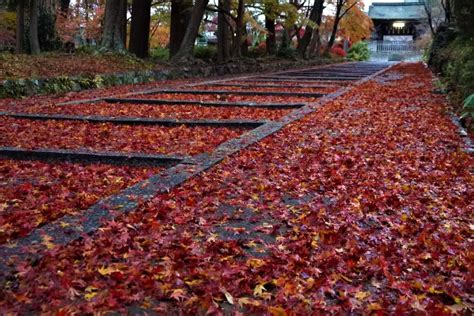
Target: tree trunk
[447,7]
[223,31]
[180,14]
[315,16]
[186,48]
[140,29]
[33,36]
[20,25]
[271,38]
[314,45]
[239,30]
[337,18]
[123,22]
[113,36]
[47,38]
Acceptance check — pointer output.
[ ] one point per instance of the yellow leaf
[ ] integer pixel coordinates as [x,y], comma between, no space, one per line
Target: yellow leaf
[47,242]
[259,289]
[255,263]
[432,290]
[106,271]
[193,282]
[361,295]
[91,292]
[90,296]
[3,206]
[374,307]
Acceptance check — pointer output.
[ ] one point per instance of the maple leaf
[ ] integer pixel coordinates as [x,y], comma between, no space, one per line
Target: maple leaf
[361,295]
[106,270]
[259,289]
[91,292]
[178,294]
[255,263]
[47,241]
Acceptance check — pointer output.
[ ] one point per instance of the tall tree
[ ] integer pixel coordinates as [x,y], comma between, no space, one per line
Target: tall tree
[180,15]
[239,29]
[223,31]
[315,17]
[47,35]
[140,28]
[20,25]
[186,48]
[342,7]
[33,31]
[270,15]
[114,35]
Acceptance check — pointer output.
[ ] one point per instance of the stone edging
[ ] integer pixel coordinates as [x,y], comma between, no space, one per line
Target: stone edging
[462,132]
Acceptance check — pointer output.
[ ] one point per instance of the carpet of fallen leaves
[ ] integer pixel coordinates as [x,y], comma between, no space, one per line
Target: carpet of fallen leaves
[12,66]
[182,140]
[34,193]
[225,97]
[293,84]
[364,206]
[160,111]
[266,89]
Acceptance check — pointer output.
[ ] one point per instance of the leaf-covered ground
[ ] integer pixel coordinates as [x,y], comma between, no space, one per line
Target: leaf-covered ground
[34,193]
[226,97]
[160,111]
[267,89]
[182,140]
[300,83]
[52,65]
[364,206]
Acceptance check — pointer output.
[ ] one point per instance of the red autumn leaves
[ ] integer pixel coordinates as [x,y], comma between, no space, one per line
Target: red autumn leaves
[362,206]
[163,111]
[35,193]
[112,137]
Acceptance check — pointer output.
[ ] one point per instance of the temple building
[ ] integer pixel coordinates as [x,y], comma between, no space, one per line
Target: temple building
[397,25]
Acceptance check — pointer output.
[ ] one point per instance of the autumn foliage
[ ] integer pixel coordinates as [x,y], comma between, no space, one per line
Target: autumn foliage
[360,207]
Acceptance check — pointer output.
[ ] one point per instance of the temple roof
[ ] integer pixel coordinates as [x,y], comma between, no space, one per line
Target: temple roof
[397,11]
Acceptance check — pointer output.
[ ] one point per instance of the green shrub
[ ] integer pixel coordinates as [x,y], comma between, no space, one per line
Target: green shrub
[160,53]
[88,50]
[359,51]
[467,114]
[459,71]
[205,52]
[468,107]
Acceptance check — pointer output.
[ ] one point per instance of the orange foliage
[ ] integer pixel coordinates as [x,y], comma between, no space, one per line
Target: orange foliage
[356,24]
[159,36]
